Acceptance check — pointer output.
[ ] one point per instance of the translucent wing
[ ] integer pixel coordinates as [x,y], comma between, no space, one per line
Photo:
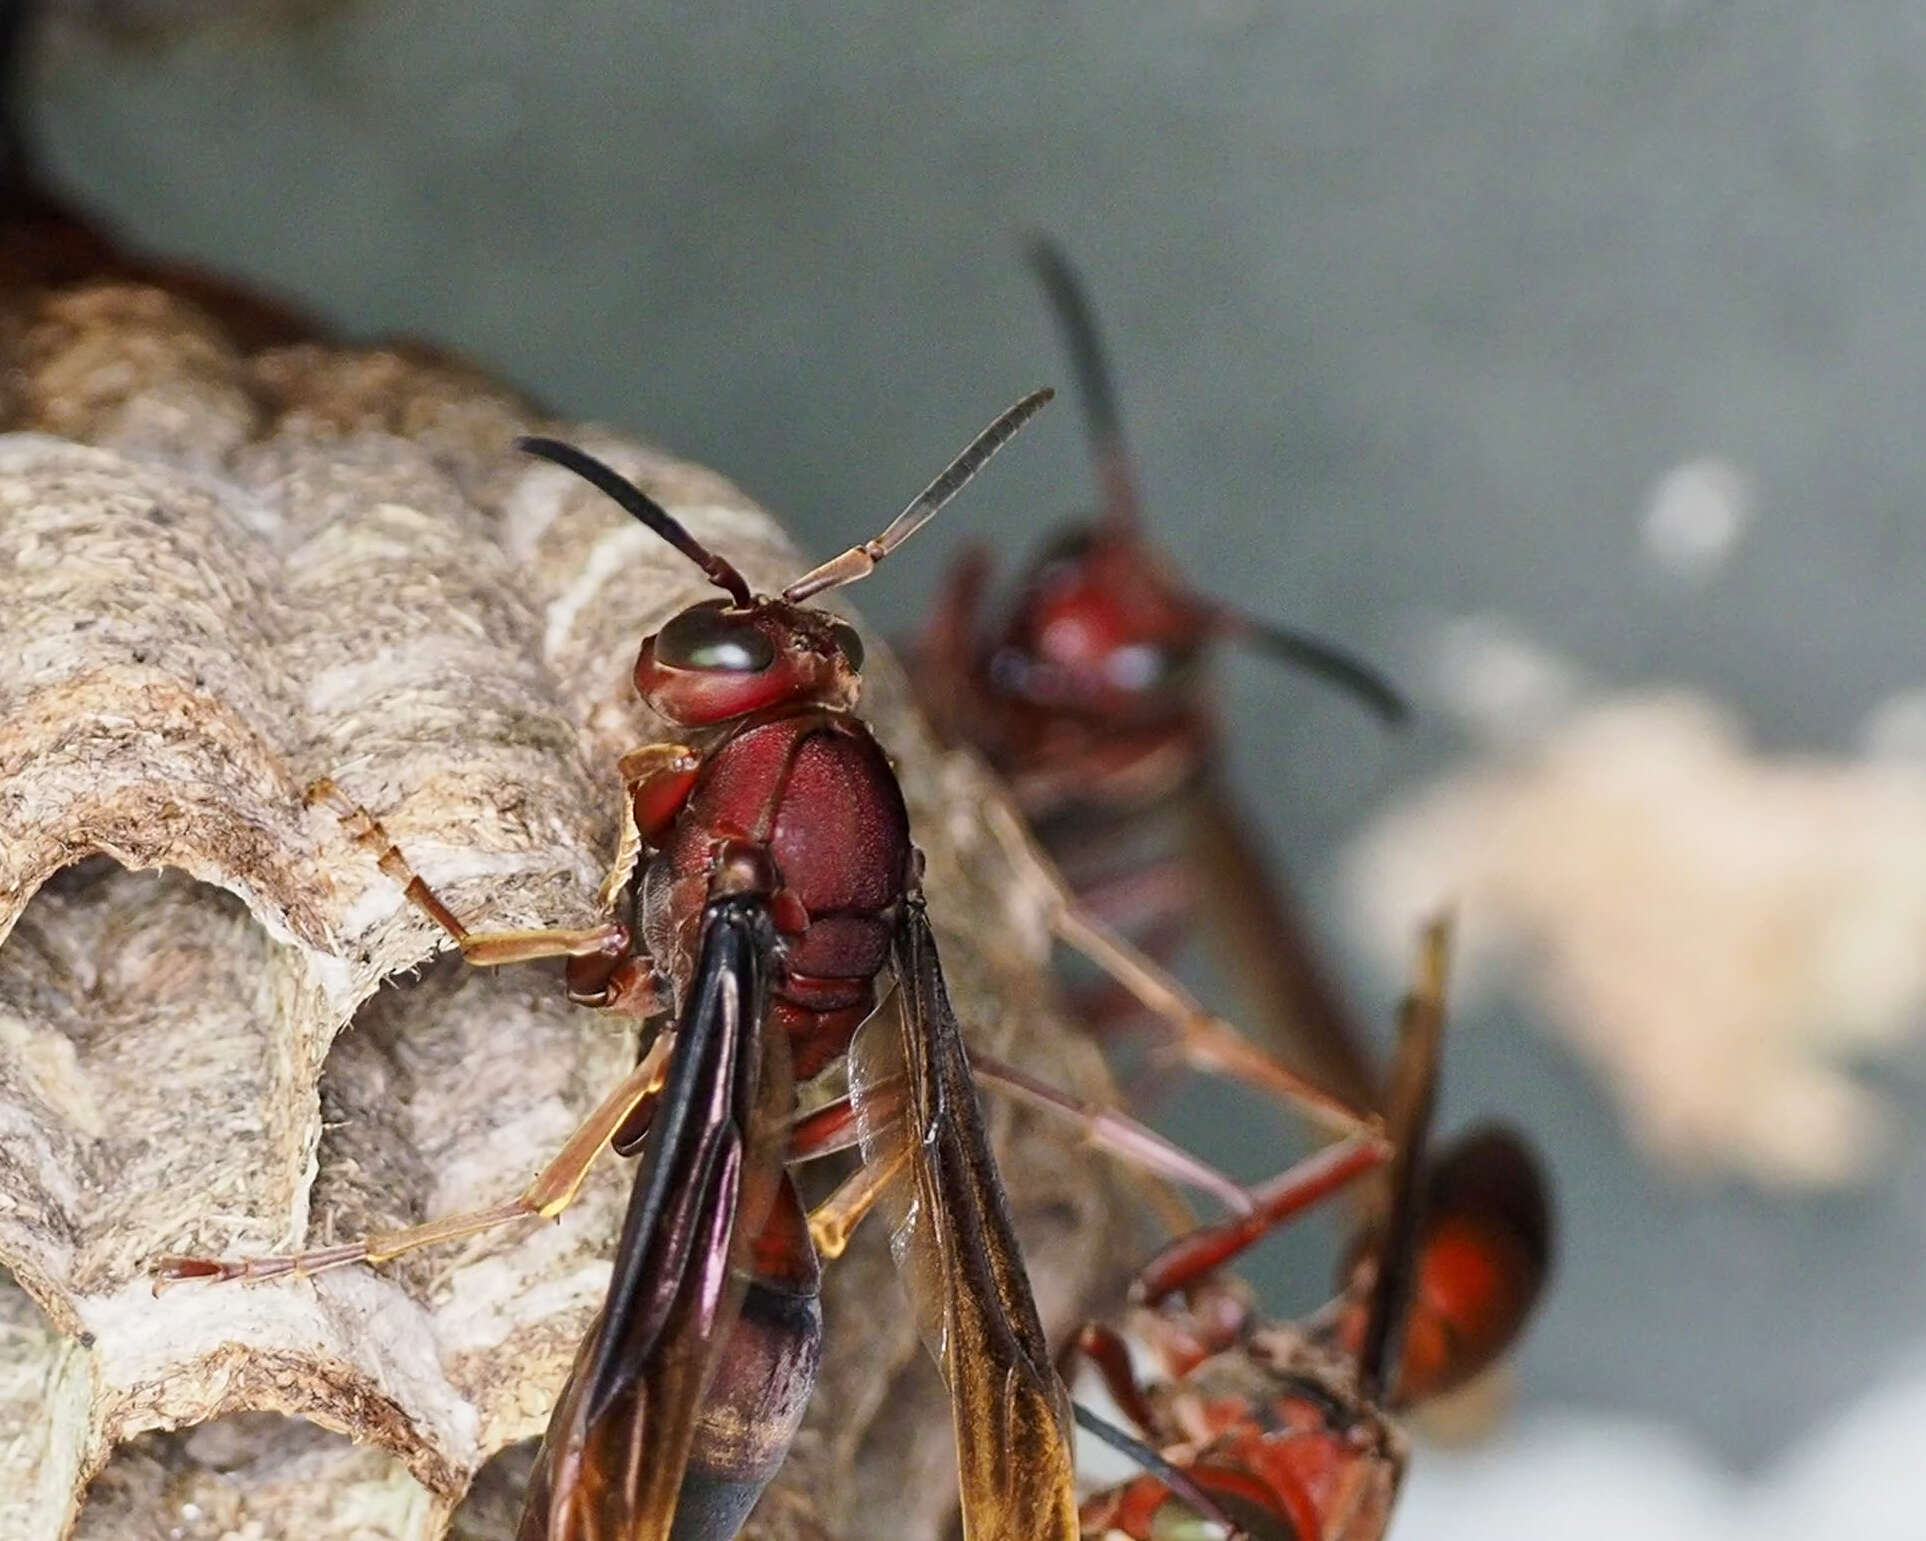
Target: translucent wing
[1249,920]
[613,1458]
[956,1250]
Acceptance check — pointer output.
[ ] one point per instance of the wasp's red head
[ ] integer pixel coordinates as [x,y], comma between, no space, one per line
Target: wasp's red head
[1102,629]
[1482,1257]
[719,660]
[1285,1468]
[724,658]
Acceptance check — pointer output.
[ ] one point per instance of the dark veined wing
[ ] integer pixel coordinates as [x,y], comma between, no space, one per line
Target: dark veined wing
[957,1253]
[1439,1286]
[1249,920]
[613,1458]
[1412,1101]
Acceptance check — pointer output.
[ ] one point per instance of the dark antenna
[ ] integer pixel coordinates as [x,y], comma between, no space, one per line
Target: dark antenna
[1172,1477]
[16,22]
[1326,660]
[1120,507]
[721,573]
[1092,368]
[860,561]
[1414,1096]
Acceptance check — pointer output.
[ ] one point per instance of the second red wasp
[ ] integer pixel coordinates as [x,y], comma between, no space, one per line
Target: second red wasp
[1088,697]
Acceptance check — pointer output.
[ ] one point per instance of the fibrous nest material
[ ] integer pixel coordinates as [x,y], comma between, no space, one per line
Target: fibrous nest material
[228,568]
[1720,933]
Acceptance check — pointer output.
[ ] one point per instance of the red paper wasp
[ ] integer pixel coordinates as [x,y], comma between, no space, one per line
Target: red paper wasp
[771,880]
[1282,1430]
[1090,702]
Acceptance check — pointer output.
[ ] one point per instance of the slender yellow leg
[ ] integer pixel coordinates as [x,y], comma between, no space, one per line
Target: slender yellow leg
[553,1190]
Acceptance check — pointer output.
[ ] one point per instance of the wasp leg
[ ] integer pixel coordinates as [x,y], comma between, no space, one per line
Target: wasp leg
[553,1190]
[1202,1252]
[832,1127]
[832,1221]
[1136,1145]
[1205,1040]
[1104,1349]
[485,948]
[825,1131]
[602,972]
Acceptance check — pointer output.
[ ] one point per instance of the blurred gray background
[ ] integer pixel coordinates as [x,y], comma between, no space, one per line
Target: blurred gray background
[1409,307]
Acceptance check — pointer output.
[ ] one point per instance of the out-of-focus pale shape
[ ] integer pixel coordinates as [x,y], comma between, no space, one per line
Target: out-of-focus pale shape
[1573,1478]
[484,113]
[1593,1479]
[1860,1475]
[1227,15]
[1697,513]
[1895,729]
[1497,681]
[1713,929]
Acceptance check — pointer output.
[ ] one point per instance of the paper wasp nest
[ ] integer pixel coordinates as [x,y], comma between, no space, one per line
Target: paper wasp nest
[226,570]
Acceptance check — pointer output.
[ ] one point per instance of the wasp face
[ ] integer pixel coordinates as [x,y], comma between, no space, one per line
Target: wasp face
[719,660]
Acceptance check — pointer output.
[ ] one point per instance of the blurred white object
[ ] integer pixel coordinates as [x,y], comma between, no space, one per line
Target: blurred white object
[1696,515]
[1715,930]
[1497,681]
[1895,729]
[1595,1479]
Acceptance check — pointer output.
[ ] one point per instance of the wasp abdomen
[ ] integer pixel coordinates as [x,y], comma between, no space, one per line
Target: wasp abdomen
[751,1413]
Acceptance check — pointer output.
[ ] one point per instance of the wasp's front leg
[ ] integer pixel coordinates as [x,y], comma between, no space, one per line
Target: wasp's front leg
[614,1122]
[603,969]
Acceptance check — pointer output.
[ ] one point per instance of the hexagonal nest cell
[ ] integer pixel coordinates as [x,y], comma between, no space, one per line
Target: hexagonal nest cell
[231,563]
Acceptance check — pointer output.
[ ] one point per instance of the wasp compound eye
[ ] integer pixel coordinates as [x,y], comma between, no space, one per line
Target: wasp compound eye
[1143,667]
[849,642]
[1175,1520]
[708,638]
